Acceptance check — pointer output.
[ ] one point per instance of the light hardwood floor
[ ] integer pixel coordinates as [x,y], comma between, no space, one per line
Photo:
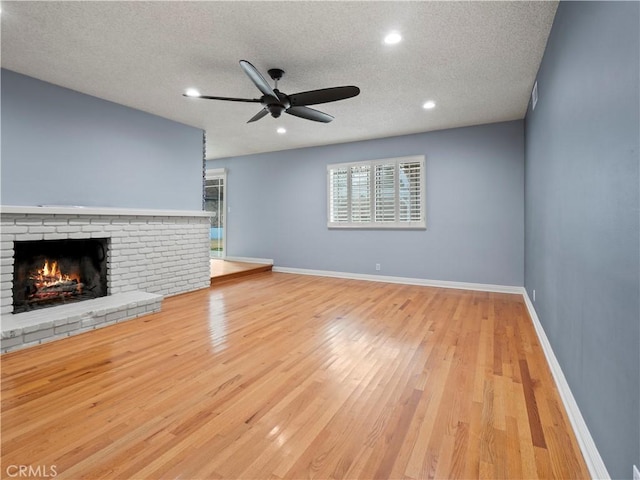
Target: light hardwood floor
[286,376]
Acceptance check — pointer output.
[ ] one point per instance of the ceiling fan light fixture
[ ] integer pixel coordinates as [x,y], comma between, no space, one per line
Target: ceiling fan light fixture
[428,105]
[392,38]
[281,130]
[192,92]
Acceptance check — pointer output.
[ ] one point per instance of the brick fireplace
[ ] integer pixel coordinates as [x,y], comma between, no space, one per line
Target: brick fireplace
[150,254]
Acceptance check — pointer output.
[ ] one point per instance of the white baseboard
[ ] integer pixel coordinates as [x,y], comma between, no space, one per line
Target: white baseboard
[592,457]
[263,261]
[483,287]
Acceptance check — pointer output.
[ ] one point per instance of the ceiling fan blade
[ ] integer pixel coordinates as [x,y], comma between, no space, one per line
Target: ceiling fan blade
[309,114]
[229,99]
[259,81]
[324,95]
[258,115]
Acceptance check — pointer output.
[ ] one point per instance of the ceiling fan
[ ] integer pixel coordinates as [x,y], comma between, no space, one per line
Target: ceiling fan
[275,102]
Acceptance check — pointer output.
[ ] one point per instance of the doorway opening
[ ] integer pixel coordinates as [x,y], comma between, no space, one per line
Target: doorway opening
[214,202]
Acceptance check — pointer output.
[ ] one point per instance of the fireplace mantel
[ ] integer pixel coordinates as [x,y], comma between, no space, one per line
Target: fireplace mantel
[96,211]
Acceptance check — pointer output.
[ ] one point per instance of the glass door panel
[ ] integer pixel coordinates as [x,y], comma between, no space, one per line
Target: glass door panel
[214,203]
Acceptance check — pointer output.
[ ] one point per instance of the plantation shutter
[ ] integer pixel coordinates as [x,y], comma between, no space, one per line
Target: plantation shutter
[410,192]
[339,196]
[385,194]
[361,193]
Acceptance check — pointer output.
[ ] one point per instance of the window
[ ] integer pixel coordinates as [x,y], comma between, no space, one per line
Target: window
[385,193]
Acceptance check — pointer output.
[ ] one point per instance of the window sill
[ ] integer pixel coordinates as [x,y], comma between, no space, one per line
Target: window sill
[394,226]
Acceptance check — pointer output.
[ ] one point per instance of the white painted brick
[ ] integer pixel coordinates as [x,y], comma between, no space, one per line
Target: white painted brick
[79,221]
[14,332]
[11,342]
[115,227]
[24,237]
[38,335]
[138,310]
[6,253]
[68,327]
[92,321]
[67,228]
[28,221]
[78,235]
[34,328]
[63,321]
[39,228]
[92,228]
[115,316]
[56,236]
[63,217]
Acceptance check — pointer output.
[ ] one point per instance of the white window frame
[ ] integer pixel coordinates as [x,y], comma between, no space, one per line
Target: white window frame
[211,174]
[373,224]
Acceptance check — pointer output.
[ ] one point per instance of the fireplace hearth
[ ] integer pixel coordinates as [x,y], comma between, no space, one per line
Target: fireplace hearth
[53,272]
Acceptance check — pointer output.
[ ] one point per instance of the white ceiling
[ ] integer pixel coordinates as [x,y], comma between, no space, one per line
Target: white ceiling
[477,60]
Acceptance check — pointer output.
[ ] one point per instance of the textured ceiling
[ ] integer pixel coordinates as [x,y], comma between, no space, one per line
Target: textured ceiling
[477,60]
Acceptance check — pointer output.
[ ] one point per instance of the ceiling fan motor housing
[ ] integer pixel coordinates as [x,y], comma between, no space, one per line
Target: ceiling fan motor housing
[276,106]
[276,109]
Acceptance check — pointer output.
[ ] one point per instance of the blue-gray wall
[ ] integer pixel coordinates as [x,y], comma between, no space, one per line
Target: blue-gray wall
[474,197]
[60,147]
[582,216]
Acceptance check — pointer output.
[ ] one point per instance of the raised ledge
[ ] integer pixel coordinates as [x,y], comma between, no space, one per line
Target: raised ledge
[93,211]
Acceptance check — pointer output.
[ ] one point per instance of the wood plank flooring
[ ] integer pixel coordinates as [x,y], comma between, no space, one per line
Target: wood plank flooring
[286,376]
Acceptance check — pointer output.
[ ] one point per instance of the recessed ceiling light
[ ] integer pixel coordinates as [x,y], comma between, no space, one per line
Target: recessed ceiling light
[281,130]
[392,38]
[429,105]
[192,92]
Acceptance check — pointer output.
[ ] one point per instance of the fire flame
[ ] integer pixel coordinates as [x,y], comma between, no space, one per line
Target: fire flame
[50,282]
[52,271]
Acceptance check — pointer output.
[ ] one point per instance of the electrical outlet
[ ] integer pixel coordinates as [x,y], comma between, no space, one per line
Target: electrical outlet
[377,267]
[534,294]
[636,473]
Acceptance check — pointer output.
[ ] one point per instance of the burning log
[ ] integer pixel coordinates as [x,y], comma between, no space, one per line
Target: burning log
[62,286]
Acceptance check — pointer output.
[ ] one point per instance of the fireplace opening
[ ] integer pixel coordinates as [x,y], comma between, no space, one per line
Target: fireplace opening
[51,272]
